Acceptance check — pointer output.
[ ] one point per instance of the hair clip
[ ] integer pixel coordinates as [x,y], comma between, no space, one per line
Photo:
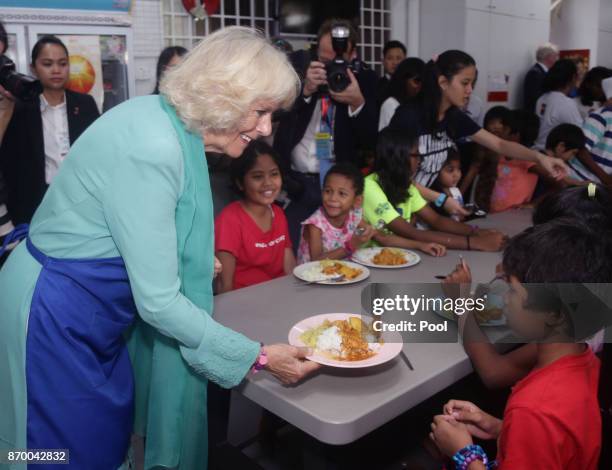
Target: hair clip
[591,188]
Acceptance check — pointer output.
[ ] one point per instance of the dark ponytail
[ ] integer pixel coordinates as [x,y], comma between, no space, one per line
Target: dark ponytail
[447,64]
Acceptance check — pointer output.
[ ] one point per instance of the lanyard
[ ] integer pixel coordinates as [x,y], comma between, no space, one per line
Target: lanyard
[327,113]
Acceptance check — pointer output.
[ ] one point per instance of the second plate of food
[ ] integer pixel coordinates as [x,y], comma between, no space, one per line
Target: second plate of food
[385,257]
[332,272]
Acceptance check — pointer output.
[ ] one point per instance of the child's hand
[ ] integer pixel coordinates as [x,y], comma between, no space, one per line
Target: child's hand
[454,207]
[461,275]
[449,434]
[433,249]
[479,424]
[488,241]
[459,282]
[367,231]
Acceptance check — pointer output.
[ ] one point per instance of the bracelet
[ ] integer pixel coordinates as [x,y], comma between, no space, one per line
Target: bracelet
[348,248]
[469,248]
[441,199]
[262,360]
[464,457]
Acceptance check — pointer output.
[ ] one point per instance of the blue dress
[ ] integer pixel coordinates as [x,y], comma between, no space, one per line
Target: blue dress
[124,232]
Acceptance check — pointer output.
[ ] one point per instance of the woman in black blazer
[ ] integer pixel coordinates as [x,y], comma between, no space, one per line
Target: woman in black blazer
[41,131]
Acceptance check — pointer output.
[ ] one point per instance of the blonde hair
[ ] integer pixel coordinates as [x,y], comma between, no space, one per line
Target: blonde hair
[217,82]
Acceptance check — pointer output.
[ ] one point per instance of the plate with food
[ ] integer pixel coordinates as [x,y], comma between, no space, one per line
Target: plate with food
[491,315]
[345,340]
[329,271]
[386,257]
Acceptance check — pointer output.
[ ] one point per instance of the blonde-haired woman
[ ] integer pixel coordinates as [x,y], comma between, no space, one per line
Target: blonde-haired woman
[126,232]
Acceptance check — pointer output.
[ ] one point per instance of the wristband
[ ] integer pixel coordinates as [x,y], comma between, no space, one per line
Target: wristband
[261,362]
[464,457]
[441,199]
[348,248]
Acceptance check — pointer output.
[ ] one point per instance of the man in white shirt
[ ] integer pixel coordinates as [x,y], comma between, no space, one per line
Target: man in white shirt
[351,115]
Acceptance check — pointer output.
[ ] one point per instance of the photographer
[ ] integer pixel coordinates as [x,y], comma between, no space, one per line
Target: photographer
[348,118]
[42,130]
[7,105]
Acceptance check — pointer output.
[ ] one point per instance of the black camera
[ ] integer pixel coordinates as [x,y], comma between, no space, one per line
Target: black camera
[337,76]
[21,86]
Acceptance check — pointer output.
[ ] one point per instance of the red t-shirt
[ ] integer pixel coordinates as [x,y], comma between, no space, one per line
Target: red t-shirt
[552,418]
[259,255]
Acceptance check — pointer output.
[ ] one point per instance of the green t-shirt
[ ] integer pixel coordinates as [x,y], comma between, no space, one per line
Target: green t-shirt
[376,206]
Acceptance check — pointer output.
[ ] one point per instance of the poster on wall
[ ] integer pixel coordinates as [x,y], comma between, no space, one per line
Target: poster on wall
[497,87]
[85,66]
[98,5]
[581,57]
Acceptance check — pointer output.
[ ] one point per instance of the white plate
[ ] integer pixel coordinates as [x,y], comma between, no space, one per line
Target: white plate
[451,316]
[312,270]
[365,256]
[392,346]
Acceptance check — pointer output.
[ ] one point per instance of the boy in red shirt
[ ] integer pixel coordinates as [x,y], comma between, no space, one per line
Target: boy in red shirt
[552,418]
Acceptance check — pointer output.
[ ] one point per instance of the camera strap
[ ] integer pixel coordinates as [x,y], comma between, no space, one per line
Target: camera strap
[324,138]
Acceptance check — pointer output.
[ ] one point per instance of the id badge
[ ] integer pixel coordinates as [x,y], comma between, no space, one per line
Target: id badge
[323,142]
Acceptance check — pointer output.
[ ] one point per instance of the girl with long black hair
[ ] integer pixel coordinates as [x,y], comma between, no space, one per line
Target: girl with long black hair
[437,117]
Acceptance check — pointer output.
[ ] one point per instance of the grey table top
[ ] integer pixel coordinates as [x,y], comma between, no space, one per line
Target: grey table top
[338,406]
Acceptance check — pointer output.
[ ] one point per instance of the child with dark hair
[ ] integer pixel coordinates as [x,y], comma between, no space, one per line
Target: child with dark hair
[503,182]
[169,57]
[447,182]
[392,202]
[590,92]
[481,174]
[555,107]
[592,204]
[393,53]
[405,85]
[552,418]
[564,142]
[336,229]
[251,235]
[591,207]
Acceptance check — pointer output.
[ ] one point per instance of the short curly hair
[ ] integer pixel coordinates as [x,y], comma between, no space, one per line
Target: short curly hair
[226,73]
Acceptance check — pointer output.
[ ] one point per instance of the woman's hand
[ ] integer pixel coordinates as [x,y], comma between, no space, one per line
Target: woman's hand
[433,249]
[555,167]
[454,207]
[287,363]
[449,435]
[479,424]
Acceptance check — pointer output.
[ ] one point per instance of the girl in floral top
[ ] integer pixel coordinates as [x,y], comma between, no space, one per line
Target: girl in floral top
[331,231]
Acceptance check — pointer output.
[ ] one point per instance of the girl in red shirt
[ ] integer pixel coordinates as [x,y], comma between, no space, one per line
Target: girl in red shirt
[251,235]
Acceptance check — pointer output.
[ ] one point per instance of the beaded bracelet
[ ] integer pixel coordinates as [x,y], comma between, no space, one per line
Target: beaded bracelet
[464,457]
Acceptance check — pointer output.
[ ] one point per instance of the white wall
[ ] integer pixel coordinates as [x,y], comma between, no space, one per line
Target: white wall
[442,26]
[573,26]
[148,42]
[604,46]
